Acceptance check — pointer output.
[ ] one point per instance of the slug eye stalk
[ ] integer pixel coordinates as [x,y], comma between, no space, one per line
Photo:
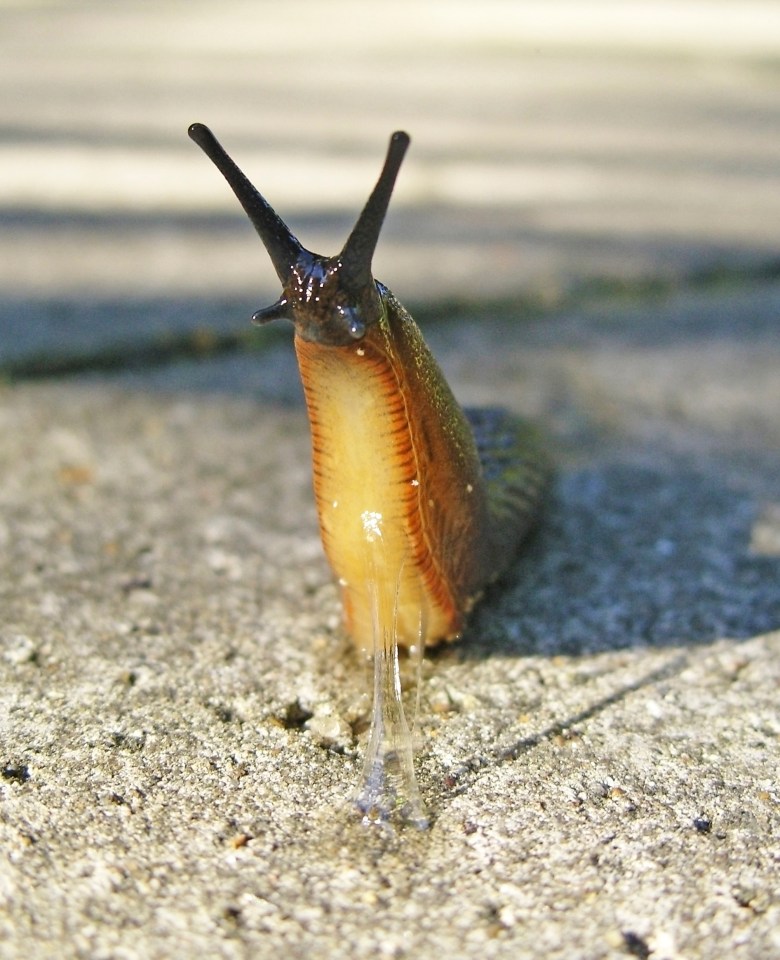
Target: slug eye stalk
[358,252]
[283,248]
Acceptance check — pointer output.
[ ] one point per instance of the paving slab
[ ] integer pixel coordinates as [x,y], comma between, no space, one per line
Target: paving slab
[599,754]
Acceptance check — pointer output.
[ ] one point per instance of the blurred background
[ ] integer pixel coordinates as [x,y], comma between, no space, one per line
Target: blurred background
[557,147]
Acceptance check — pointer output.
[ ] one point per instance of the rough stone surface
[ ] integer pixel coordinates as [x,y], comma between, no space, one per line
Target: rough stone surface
[182,718]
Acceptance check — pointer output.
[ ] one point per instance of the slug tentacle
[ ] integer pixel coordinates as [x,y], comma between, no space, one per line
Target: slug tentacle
[281,310]
[420,505]
[358,251]
[283,248]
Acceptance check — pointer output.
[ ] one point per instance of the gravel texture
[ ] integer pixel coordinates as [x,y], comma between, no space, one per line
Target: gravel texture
[182,718]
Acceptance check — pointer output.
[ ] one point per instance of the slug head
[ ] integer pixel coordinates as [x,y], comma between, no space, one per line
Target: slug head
[331,300]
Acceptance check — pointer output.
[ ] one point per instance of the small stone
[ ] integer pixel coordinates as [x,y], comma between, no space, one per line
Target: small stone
[329,730]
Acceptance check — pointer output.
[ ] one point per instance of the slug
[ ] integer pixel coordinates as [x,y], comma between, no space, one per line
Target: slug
[420,504]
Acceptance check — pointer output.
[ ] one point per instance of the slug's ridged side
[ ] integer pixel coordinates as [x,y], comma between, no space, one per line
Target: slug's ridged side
[517,471]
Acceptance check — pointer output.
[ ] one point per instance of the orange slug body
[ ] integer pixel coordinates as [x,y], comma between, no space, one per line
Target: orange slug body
[396,471]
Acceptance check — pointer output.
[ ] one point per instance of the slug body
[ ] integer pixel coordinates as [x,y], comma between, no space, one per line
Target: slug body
[420,505]
[395,469]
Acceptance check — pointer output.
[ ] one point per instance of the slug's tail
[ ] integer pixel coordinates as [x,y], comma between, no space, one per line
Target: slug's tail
[517,471]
